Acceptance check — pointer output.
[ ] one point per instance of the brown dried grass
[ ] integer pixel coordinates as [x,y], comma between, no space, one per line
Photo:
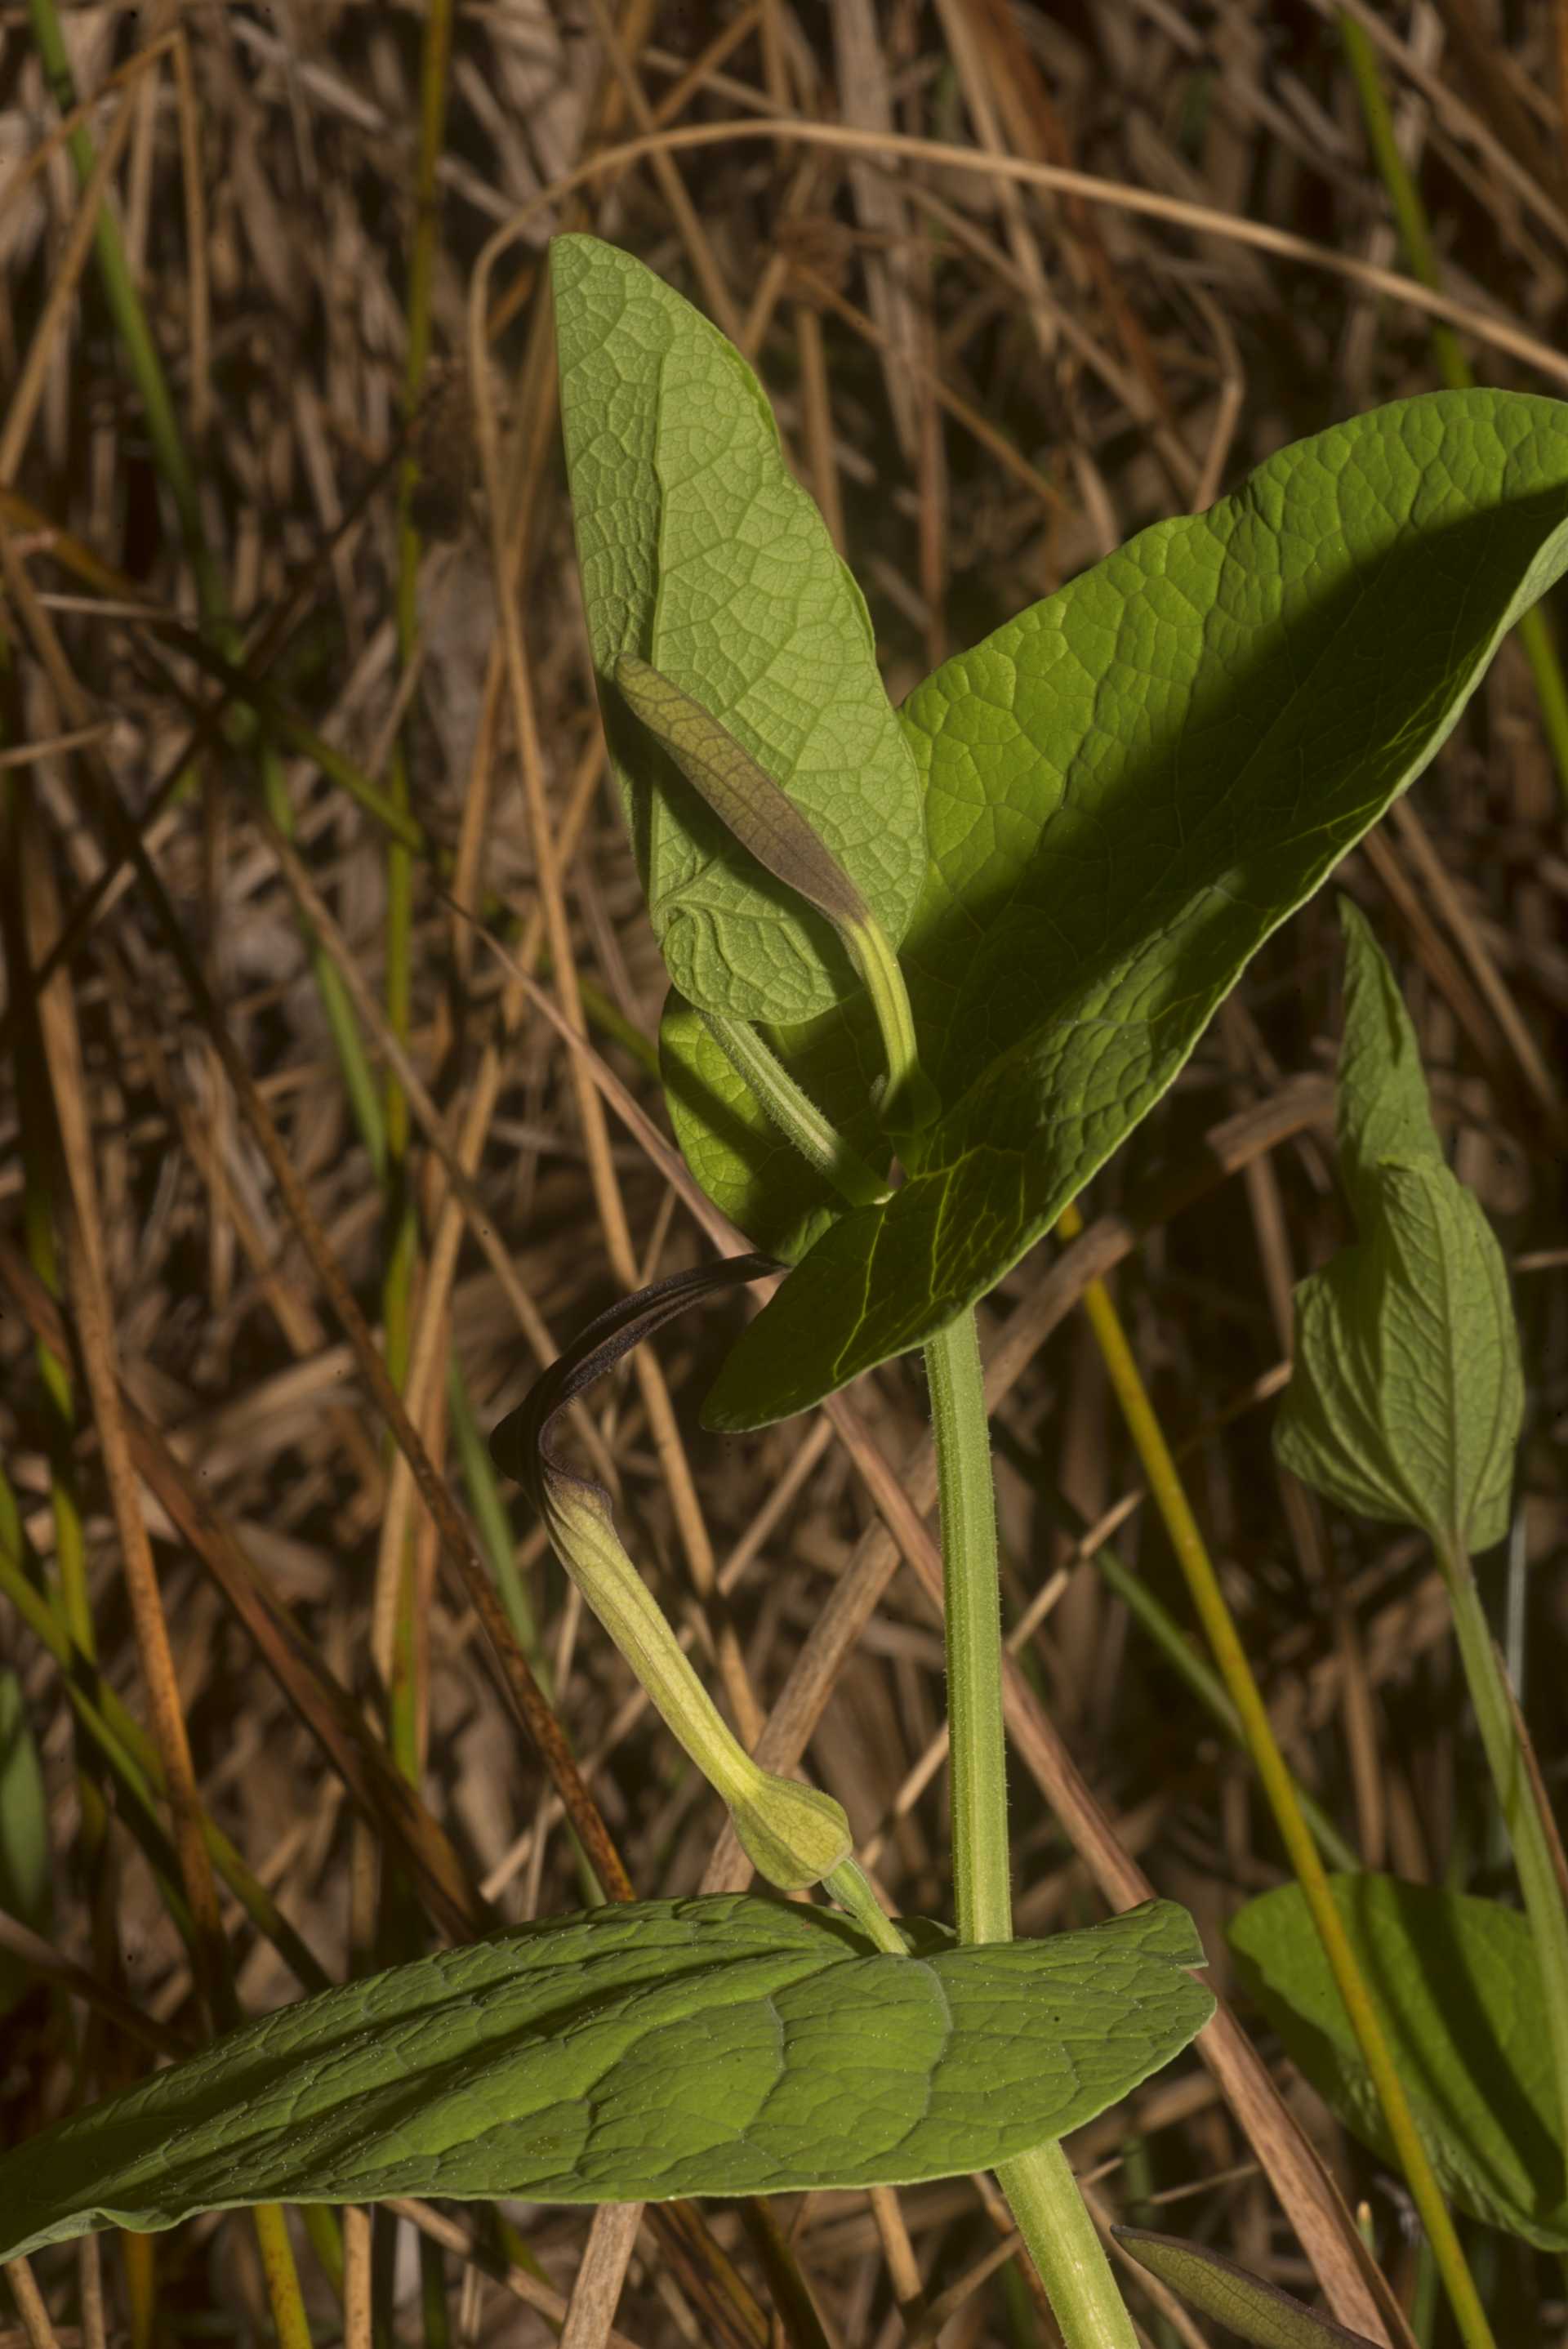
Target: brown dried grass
[988,382]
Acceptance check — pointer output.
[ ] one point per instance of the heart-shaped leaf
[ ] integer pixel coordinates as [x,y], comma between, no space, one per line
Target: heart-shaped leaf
[1457,1989]
[701,553]
[724,2045]
[1128,788]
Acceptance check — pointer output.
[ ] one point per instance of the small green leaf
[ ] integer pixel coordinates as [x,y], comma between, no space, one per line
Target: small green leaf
[701,553]
[724,2045]
[1406,1392]
[1128,788]
[1457,1989]
[1255,2310]
[1384,1112]
[26,1882]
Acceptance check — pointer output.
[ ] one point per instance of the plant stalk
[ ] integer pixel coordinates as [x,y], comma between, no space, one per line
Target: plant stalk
[794,1113]
[848,1885]
[982,1893]
[1225,1643]
[1058,2231]
[909,1102]
[1527,1831]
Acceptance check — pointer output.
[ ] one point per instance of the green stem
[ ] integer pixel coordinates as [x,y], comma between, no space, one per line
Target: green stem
[1527,1830]
[1056,2229]
[1170,1497]
[1043,2196]
[983,1897]
[848,1885]
[794,1113]
[910,1101]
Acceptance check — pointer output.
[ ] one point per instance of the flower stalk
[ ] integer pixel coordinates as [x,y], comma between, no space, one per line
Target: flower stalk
[794,1113]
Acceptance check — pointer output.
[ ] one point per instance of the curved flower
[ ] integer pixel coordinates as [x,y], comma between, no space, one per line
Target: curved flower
[766,820]
[793,1835]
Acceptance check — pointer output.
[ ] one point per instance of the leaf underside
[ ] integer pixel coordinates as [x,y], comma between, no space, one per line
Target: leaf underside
[721,2045]
[1457,1985]
[700,553]
[1127,789]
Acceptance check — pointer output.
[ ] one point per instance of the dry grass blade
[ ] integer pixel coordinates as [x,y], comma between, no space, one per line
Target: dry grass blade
[48,1962]
[30,2306]
[323,1705]
[596,2293]
[453,2236]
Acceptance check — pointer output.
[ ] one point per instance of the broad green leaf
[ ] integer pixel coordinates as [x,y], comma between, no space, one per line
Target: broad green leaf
[1457,1989]
[26,1882]
[701,553]
[723,2046]
[1406,1392]
[1255,2310]
[1128,788]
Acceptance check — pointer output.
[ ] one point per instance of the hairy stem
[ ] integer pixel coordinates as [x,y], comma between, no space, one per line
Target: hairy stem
[1170,1496]
[909,1104]
[850,1887]
[1057,2230]
[1527,1831]
[794,1113]
[983,1899]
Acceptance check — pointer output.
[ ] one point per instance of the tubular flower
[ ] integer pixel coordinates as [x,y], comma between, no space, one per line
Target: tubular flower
[793,1835]
[766,820]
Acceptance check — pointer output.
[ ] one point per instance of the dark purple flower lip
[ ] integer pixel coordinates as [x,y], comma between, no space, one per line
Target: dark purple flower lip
[523,1445]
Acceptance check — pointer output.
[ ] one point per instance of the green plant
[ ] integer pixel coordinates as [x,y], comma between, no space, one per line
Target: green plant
[1404,1405]
[929,967]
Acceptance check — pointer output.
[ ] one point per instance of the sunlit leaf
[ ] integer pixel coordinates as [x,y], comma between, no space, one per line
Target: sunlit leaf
[1128,788]
[701,553]
[724,2045]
